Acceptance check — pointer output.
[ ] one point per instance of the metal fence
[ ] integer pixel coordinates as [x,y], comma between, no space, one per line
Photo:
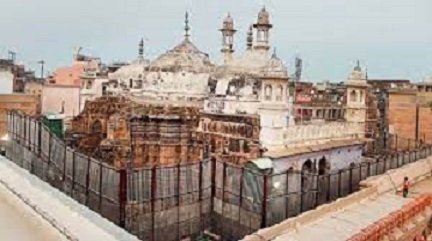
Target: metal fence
[172,203]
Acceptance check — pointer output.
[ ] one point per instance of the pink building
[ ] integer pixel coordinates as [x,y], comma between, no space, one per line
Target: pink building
[61,92]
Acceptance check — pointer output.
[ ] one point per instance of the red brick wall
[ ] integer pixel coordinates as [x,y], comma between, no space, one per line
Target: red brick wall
[402,113]
[425,124]
[402,116]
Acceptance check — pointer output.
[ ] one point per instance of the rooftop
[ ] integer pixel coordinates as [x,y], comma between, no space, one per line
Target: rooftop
[360,213]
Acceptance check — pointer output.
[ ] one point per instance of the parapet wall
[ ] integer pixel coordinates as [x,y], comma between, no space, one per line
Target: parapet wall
[391,181]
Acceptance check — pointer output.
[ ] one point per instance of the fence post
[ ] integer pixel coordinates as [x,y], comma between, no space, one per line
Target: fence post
[200,185]
[368,170]
[241,193]
[317,178]
[100,185]
[286,192]
[351,179]
[73,172]
[264,203]
[224,165]
[49,147]
[87,181]
[64,163]
[153,200]
[49,156]
[301,191]
[213,183]
[39,139]
[340,184]
[409,144]
[328,187]
[24,126]
[122,196]
[178,200]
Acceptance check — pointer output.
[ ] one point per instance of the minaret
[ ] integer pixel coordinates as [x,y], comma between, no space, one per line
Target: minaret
[187,28]
[263,27]
[249,39]
[141,50]
[228,32]
[356,94]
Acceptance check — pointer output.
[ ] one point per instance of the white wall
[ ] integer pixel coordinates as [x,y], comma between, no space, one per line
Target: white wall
[53,96]
[6,82]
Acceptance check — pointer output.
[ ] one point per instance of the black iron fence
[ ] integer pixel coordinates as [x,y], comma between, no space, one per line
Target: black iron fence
[172,203]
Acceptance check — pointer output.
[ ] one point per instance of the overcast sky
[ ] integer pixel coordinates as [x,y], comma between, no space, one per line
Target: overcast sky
[392,38]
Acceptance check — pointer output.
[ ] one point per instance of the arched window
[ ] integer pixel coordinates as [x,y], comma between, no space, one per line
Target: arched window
[268,92]
[130,83]
[319,114]
[279,93]
[353,96]
[97,127]
[361,96]
[322,166]
[307,166]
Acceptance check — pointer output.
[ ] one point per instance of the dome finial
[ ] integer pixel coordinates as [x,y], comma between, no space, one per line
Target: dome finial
[187,28]
[249,38]
[358,68]
[274,53]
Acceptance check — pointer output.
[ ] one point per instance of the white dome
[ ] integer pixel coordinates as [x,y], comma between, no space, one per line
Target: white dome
[183,57]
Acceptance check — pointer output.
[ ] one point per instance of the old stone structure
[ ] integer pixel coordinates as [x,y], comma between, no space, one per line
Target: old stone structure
[124,133]
[247,103]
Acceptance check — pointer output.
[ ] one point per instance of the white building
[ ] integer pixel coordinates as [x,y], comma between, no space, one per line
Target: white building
[6,80]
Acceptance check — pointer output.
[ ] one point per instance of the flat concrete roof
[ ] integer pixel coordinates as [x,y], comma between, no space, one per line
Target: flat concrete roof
[340,226]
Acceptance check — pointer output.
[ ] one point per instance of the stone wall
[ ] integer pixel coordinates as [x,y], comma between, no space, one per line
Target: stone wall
[320,133]
[230,138]
[336,159]
[121,131]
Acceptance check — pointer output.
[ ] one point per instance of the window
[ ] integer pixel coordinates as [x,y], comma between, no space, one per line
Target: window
[279,93]
[97,127]
[353,96]
[89,84]
[268,92]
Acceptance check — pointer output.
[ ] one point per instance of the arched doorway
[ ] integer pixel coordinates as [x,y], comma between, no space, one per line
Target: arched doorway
[323,181]
[97,127]
[322,166]
[308,185]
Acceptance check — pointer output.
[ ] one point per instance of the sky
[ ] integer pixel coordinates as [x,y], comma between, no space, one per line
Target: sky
[391,38]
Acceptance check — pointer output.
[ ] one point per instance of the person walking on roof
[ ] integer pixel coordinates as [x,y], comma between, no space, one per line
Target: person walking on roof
[405,187]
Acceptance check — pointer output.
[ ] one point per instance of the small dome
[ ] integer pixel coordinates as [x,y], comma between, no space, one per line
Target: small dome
[228,23]
[228,19]
[275,68]
[263,17]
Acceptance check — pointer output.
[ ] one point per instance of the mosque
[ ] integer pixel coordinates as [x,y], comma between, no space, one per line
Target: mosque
[183,107]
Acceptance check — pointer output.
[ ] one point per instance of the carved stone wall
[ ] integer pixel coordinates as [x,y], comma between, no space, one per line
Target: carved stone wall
[125,133]
[319,133]
[233,139]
